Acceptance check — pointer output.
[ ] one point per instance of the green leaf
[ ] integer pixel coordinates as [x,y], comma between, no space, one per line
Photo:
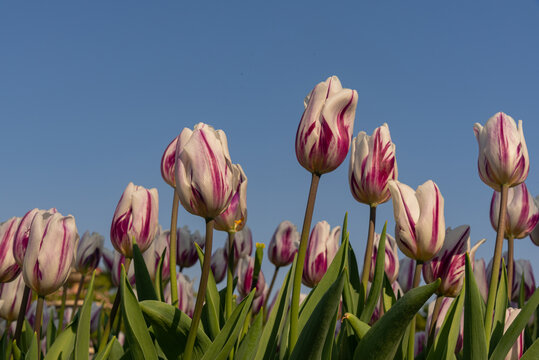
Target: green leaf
[136,331]
[117,351]
[171,327]
[224,342]
[159,277]
[250,341]
[500,306]
[446,340]
[475,343]
[388,295]
[27,336]
[104,355]
[84,317]
[360,328]
[15,351]
[32,353]
[533,352]
[143,282]
[376,286]
[383,339]
[51,331]
[516,327]
[313,335]
[210,311]
[63,345]
[259,254]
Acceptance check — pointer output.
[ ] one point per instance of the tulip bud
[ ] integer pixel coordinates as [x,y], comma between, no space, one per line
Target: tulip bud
[284,244]
[406,274]
[11,294]
[246,267]
[219,264]
[162,242]
[480,274]
[234,217]
[517,276]
[503,155]
[391,261]
[517,350]
[205,176]
[116,270]
[187,254]
[243,244]
[95,317]
[449,263]
[321,249]
[326,126]
[259,301]
[9,269]
[108,259]
[168,162]
[186,294]
[89,252]
[372,164]
[135,219]
[420,342]
[23,233]
[419,218]
[50,252]
[526,272]
[444,308]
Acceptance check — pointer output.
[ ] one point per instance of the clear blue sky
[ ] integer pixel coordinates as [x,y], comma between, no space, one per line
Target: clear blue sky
[91,94]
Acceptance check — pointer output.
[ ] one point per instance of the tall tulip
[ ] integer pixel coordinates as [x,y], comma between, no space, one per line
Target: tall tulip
[162,243]
[12,293]
[391,259]
[246,267]
[187,254]
[219,264]
[534,234]
[234,217]
[526,274]
[186,294]
[284,244]
[481,279]
[243,244]
[9,269]
[322,247]
[517,350]
[89,252]
[440,318]
[168,163]
[406,274]
[23,233]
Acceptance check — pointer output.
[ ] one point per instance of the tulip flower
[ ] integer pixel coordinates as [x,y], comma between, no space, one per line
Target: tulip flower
[243,244]
[419,218]
[50,252]
[219,264]
[284,244]
[391,263]
[162,243]
[534,234]
[372,165]
[187,254]
[95,317]
[515,279]
[89,252]
[260,300]
[449,263]
[326,127]
[186,294]
[503,155]
[420,342]
[23,233]
[517,350]
[245,272]
[135,219]
[406,274]
[321,249]
[11,293]
[481,279]
[9,269]
[234,217]
[168,163]
[116,270]
[108,258]
[529,280]
[444,308]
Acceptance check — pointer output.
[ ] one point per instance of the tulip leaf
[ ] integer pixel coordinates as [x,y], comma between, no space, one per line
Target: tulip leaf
[277,319]
[376,286]
[51,331]
[143,282]
[26,336]
[15,351]
[533,352]
[360,328]
[159,277]
[224,342]
[104,355]
[313,334]
[383,339]
[516,328]
[64,344]
[500,306]
[171,327]
[388,295]
[32,353]
[136,331]
[210,311]
[83,319]
[475,343]
[259,255]
[250,341]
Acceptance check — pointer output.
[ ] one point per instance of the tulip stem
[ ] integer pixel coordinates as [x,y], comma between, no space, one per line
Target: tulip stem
[62,310]
[22,312]
[269,292]
[510,266]
[37,323]
[434,319]
[190,343]
[411,339]
[302,251]
[229,275]
[496,264]
[368,250]
[77,296]
[173,251]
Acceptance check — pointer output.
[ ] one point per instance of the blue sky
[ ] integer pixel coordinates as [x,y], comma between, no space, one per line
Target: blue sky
[91,94]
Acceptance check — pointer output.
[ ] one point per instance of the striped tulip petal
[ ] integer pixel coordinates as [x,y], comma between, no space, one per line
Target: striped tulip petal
[233,219]
[391,258]
[9,268]
[321,249]
[284,244]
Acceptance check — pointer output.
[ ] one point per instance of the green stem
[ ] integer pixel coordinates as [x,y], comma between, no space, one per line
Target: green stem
[189,345]
[62,310]
[173,250]
[77,296]
[22,312]
[496,264]
[368,250]
[230,281]
[411,339]
[434,319]
[510,266]
[269,292]
[294,306]
[37,323]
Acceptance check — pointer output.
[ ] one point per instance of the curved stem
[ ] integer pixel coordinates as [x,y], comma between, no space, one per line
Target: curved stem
[368,250]
[510,266]
[22,312]
[269,292]
[77,296]
[411,339]
[173,249]
[496,264]
[189,345]
[294,306]
[37,323]
[229,275]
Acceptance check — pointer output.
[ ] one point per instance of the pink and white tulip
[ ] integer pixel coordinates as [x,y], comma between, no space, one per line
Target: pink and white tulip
[245,273]
[406,273]
[444,308]
[11,294]
[480,274]
[9,269]
[522,213]
[205,176]
[517,350]
[419,219]
[219,264]
[50,252]
[259,301]
[284,244]
[503,155]
[243,244]
[321,249]
[391,259]
[326,126]
[160,244]
[526,272]
[89,252]
[186,294]
[187,254]
[23,233]
[234,217]
[168,163]
[135,219]
[372,165]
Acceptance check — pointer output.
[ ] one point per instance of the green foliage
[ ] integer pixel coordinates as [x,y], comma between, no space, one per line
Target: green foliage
[143,282]
[475,342]
[210,311]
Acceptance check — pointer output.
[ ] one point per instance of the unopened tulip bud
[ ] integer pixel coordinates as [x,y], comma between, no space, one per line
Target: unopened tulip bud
[391,262]
[89,252]
[219,264]
[259,301]
[162,243]
[419,218]
[526,272]
[108,259]
[186,294]
[503,155]
[243,244]
[50,252]
[234,217]
[116,270]
[517,350]
[420,342]
[9,269]
[406,273]
[135,219]
[168,163]
[187,254]
[480,274]
[23,233]
[246,267]
[372,165]
[95,317]
[326,126]
[11,294]
[321,249]
[284,244]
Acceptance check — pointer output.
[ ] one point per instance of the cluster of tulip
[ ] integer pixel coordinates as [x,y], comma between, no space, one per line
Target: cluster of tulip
[478,311]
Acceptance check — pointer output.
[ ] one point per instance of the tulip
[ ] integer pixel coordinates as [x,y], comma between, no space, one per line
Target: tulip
[89,252]
[9,269]
[243,244]
[444,308]
[95,317]
[135,219]
[449,263]
[50,253]
[116,270]
[219,264]
[372,165]
[321,249]
[245,273]
[391,262]
[23,233]
[481,279]
[260,300]
[11,293]
[168,163]
[526,272]
[326,126]
[234,217]
[514,281]
[503,155]
[420,342]
[162,243]
[284,244]
[522,213]
[517,350]
[108,258]
[187,254]
[406,274]
[49,314]
[186,294]
[534,235]
[419,218]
